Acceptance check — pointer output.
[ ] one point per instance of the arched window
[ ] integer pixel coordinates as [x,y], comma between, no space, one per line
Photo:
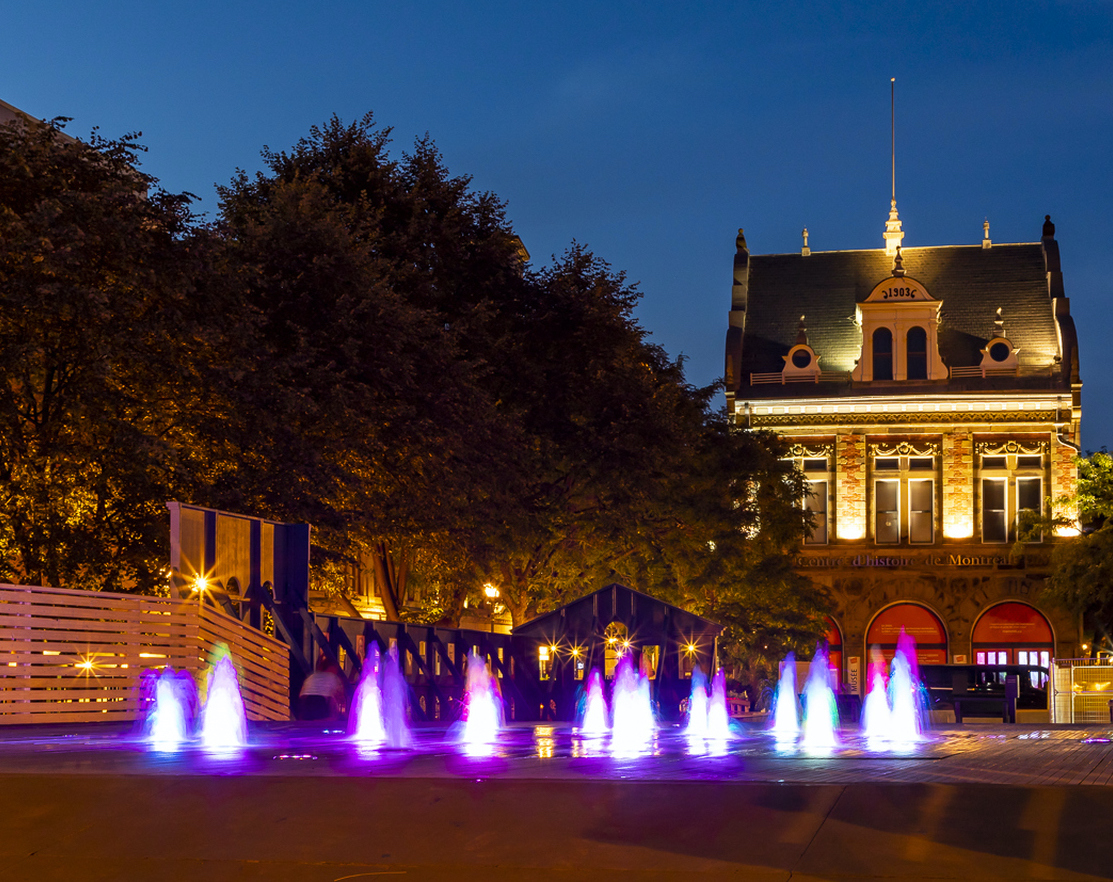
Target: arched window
[618,644]
[917,354]
[883,354]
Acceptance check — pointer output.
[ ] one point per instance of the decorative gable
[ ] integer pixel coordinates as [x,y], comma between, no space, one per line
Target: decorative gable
[900,341]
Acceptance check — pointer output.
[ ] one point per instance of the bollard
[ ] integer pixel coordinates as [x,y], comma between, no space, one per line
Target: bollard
[1012,692]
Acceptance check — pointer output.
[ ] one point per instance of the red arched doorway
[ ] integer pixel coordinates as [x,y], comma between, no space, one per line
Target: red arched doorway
[834,652]
[1012,633]
[919,622]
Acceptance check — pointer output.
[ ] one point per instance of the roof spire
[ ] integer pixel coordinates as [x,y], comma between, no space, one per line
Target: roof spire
[893,234]
[801,333]
[986,241]
[898,264]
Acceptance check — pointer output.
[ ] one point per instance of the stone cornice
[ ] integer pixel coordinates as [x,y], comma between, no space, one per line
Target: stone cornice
[991,418]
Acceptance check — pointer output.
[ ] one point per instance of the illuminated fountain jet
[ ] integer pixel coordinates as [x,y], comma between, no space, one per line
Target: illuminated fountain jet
[891,716]
[594,723]
[821,712]
[483,704]
[170,719]
[718,717]
[698,705]
[366,720]
[786,718]
[223,720]
[632,709]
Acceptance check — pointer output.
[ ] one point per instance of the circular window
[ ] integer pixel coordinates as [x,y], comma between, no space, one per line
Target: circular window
[999,351]
[801,358]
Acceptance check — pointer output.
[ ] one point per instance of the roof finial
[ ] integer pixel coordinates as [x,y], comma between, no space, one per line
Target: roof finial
[1048,227]
[893,234]
[999,324]
[898,264]
[805,250]
[986,241]
[801,333]
[740,242]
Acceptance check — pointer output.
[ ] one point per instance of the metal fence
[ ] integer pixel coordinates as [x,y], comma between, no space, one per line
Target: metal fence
[1081,690]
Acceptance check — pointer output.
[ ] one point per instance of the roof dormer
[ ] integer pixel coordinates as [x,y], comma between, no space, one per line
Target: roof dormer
[899,321]
[999,353]
[801,363]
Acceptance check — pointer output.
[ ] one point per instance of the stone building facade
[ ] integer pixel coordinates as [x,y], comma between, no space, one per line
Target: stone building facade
[931,396]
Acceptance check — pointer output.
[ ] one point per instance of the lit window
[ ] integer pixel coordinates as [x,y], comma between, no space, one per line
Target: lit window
[994,524]
[887,501]
[1012,492]
[921,518]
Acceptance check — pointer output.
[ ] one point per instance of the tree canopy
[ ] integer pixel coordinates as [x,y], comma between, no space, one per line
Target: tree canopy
[96,340]
[355,341]
[1082,567]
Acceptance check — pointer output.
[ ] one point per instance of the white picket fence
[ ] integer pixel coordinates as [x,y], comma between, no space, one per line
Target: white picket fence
[77,656]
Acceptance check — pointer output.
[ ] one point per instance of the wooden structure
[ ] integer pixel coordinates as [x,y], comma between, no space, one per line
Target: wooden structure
[76,656]
[554,653]
[432,659]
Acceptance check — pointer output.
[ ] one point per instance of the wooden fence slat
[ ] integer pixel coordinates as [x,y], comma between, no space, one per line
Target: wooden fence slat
[123,634]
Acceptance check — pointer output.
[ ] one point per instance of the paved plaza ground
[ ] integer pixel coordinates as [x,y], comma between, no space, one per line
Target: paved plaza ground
[975,802]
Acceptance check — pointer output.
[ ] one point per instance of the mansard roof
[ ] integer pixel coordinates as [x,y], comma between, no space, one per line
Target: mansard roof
[971,281]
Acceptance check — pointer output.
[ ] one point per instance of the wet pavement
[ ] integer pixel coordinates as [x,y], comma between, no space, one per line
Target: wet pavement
[302,802]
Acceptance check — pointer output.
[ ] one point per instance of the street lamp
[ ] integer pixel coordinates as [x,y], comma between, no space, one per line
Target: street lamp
[492,593]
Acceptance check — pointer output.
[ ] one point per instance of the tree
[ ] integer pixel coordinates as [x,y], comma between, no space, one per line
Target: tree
[96,337]
[1082,567]
[363,286]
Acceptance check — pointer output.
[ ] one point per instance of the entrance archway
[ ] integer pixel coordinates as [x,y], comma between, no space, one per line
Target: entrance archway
[919,623]
[1012,633]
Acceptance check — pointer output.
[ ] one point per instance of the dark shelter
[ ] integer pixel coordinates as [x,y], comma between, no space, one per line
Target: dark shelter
[554,653]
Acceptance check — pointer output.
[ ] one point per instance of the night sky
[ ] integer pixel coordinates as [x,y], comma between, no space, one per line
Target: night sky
[649,132]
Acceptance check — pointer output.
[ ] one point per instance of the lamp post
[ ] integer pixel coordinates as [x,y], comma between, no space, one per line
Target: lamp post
[492,593]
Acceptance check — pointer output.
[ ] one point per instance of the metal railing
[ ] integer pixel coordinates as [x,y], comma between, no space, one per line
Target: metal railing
[1081,690]
[781,378]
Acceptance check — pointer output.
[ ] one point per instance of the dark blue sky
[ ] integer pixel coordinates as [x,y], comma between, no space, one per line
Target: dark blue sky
[648,132]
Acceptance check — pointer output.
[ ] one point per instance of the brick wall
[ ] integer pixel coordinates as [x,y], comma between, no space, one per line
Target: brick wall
[958,485]
[850,477]
[1063,477]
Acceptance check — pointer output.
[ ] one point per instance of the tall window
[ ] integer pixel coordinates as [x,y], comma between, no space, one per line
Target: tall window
[994,512]
[816,503]
[887,498]
[1011,485]
[921,518]
[916,354]
[904,499]
[883,354]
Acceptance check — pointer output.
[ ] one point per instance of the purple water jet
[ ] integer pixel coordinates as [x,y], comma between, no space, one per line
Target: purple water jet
[718,717]
[169,722]
[223,720]
[821,712]
[632,709]
[483,706]
[366,720]
[396,702]
[698,705]
[786,718]
[594,721]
